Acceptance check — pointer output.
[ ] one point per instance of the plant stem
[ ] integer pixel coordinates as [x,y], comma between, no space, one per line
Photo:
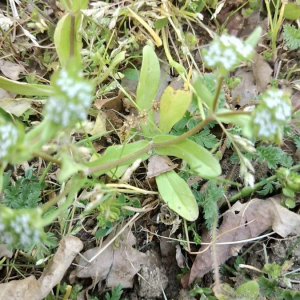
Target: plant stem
[247,191]
[149,147]
[217,93]
[276,29]
[187,134]
[46,157]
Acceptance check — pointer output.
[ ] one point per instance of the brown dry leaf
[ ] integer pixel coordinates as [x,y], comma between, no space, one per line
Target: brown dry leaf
[32,289]
[118,263]
[5,252]
[244,221]
[159,164]
[100,124]
[16,107]
[262,72]
[246,90]
[10,70]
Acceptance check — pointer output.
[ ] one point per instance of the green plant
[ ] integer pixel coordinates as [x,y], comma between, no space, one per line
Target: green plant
[291,36]
[275,21]
[24,193]
[116,293]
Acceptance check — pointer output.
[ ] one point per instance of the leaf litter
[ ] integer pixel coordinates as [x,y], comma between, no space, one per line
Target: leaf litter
[117,263]
[31,288]
[243,222]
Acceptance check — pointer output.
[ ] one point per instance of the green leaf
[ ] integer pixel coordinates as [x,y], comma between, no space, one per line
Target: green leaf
[67,41]
[113,153]
[200,160]
[202,92]
[116,60]
[291,11]
[78,5]
[160,23]
[131,74]
[177,194]
[254,37]
[148,87]
[173,105]
[68,168]
[205,139]
[291,36]
[248,290]
[26,89]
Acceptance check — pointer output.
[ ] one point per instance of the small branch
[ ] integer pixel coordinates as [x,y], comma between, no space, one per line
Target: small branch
[46,157]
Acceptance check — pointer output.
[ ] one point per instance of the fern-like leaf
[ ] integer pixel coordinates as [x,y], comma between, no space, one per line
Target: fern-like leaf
[291,36]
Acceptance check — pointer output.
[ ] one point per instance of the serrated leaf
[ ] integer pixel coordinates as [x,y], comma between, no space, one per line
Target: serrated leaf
[25,89]
[67,41]
[148,87]
[177,194]
[291,11]
[205,139]
[291,36]
[200,160]
[173,105]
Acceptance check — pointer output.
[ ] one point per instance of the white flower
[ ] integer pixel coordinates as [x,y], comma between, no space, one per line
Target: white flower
[74,96]
[226,52]
[8,138]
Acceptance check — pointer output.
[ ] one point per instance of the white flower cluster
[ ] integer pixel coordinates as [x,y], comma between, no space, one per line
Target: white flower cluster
[274,112]
[74,96]
[18,229]
[8,138]
[226,53]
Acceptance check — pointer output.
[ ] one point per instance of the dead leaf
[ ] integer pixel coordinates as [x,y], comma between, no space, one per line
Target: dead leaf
[244,221]
[246,90]
[11,70]
[179,257]
[159,164]
[262,72]
[5,252]
[15,107]
[32,289]
[100,124]
[118,263]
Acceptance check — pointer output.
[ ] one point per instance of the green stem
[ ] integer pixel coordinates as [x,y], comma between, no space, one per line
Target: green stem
[217,93]
[276,29]
[149,147]
[187,134]
[247,191]
[46,157]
